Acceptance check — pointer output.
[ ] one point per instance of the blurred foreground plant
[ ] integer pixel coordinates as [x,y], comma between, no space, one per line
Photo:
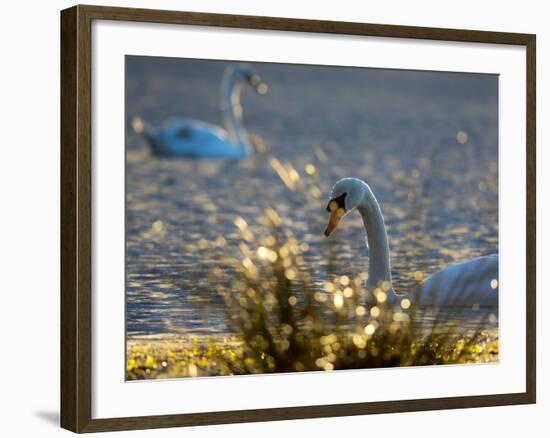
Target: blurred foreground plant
[288,322]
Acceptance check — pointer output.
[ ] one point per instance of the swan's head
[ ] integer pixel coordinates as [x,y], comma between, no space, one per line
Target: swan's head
[345,195]
[246,75]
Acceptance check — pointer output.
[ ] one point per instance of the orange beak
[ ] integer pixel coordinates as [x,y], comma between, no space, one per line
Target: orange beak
[336,214]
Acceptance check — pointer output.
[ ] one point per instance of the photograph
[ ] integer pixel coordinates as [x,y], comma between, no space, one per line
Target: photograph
[287,218]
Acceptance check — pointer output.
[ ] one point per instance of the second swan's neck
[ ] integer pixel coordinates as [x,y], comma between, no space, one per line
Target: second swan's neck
[233,112]
[377,238]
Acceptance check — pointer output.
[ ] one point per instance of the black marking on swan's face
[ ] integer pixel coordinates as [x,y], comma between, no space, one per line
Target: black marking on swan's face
[337,209]
[336,203]
[253,79]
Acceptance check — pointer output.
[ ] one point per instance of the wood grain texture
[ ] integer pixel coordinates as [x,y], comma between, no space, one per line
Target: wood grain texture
[299,25]
[76,219]
[531,249]
[69,329]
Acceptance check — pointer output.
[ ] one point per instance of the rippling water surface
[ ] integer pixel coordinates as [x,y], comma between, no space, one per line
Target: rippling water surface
[426,143]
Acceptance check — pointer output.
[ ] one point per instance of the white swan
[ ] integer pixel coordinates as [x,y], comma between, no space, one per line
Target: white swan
[470,283]
[196,139]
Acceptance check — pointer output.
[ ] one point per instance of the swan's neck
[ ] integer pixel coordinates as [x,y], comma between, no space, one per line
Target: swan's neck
[377,238]
[233,112]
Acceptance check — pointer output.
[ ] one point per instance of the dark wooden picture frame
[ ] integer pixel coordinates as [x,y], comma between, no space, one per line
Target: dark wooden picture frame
[76,218]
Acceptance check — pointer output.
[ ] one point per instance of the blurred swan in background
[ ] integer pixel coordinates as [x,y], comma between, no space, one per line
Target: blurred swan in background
[197,139]
[470,283]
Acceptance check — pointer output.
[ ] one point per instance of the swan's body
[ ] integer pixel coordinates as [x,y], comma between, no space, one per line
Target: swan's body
[196,139]
[470,283]
[474,281]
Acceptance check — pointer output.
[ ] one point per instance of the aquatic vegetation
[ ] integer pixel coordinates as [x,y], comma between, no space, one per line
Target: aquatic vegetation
[288,322]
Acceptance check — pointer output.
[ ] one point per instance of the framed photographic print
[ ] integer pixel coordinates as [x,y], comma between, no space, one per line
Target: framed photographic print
[304,218]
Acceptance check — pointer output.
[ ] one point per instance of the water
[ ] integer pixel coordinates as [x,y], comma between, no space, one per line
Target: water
[401,131]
